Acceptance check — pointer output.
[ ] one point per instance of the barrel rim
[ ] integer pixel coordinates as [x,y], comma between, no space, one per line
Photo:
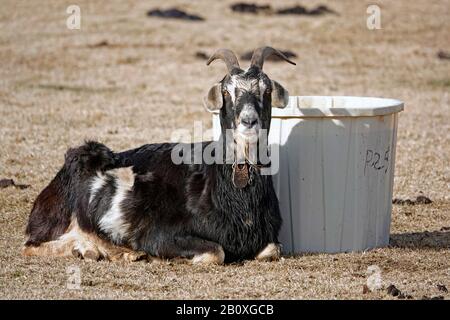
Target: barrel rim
[305,107]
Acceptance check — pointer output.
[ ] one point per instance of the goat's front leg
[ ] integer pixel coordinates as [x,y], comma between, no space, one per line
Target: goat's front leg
[270,253]
[111,252]
[196,250]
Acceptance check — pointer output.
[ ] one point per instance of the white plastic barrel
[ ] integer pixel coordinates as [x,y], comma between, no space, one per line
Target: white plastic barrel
[336,171]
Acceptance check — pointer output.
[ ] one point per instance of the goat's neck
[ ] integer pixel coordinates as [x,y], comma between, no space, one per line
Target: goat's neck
[236,152]
[225,172]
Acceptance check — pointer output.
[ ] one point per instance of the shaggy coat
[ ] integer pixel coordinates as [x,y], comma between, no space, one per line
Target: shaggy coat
[142,200]
[161,206]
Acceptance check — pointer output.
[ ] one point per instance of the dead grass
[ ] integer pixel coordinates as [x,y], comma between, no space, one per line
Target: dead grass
[57,87]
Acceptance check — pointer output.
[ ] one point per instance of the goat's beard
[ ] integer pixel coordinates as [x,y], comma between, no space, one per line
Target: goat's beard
[246,133]
[246,145]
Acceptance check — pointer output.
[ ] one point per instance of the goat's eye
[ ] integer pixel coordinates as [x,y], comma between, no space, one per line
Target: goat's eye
[225,93]
[267,91]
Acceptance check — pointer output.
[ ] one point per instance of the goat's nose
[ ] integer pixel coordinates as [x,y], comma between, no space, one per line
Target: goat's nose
[249,121]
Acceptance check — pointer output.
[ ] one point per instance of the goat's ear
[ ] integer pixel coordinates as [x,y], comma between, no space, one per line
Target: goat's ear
[213,101]
[280,96]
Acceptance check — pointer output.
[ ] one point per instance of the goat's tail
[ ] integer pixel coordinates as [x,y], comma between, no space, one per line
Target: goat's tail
[90,158]
[56,204]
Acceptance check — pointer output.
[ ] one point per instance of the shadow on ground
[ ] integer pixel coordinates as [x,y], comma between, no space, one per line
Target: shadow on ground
[414,240]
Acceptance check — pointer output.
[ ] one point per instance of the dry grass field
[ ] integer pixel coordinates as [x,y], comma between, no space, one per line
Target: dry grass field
[127,79]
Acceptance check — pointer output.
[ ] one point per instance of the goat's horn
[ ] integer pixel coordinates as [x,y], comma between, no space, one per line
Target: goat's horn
[260,54]
[227,56]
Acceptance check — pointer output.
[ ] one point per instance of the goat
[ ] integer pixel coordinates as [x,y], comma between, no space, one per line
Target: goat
[107,205]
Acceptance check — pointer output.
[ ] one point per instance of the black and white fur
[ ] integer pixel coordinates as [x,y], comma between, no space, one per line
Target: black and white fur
[141,200]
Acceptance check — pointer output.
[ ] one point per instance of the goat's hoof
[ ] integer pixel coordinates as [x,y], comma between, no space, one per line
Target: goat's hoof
[91,255]
[76,253]
[134,256]
[217,257]
[271,252]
